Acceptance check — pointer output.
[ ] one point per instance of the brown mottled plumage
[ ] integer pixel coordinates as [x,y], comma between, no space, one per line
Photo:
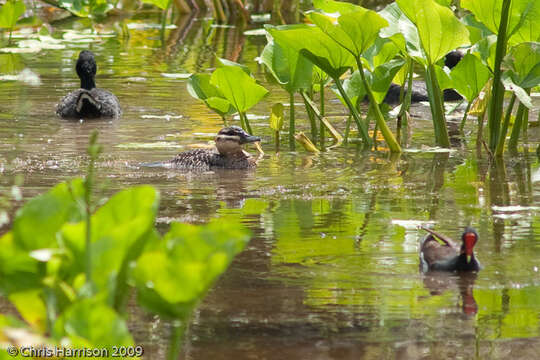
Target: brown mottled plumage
[88,101]
[228,153]
[207,159]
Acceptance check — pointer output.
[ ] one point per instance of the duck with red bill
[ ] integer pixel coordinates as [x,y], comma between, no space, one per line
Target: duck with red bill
[440,253]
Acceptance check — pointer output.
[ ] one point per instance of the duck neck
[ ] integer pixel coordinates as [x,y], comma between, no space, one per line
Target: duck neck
[87,82]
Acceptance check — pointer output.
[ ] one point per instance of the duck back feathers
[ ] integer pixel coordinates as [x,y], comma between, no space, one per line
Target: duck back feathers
[88,101]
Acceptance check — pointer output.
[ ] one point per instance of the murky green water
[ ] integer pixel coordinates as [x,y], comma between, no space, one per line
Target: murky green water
[332,269]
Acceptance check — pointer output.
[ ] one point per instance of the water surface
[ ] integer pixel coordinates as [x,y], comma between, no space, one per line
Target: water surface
[332,269]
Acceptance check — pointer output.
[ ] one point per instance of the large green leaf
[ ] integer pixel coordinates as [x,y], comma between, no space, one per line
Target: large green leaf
[162,4]
[439,30]
[381,52]
[378,80]
[523,24]
[522,70]
[18,270]
[381,78]
[240,89]
[292,70]
[10,13]
[469,76]
[318,47]
[401,31]
[522,64]
[355,31]
[175,275]
[86,8]
[37,222]
[331,6]
[120,229]
[199,87]
[91,323]
[354,88]
[34,229]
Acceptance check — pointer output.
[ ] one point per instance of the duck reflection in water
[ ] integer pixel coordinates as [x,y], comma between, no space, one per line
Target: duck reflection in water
[437,282]
[447,265]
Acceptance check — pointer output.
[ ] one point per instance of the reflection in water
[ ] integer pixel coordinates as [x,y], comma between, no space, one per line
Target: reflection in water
[327,275]
[437,282]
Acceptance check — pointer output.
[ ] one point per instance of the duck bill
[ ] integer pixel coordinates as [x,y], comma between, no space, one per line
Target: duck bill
[470,241]
[250,139]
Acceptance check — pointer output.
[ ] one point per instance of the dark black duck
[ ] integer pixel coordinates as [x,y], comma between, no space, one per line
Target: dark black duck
[446,255]
[89,101]
[228,153]
[419,90]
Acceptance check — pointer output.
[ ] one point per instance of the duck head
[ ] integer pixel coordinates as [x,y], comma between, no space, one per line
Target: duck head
[469,239]
[86,69]
[229,140]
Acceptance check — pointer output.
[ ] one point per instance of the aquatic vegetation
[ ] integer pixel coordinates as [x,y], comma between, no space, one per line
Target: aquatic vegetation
[290,68]
[66,265]
[276,121]
[229,89]
[374,47]
[10,13]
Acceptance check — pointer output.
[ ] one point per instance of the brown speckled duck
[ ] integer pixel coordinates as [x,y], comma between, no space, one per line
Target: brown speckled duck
[445,255]
[88,101]
[228,153]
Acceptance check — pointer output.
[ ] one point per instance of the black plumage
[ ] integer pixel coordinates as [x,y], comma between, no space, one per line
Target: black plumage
[88,101]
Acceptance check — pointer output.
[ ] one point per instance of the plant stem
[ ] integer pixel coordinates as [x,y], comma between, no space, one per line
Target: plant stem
[291,121]
[502,135]
[464,119]
[393,145]
[224,121]
[347,129]
[93,151]
[497,99]
[437,108]
[177,336]
[324,122]
[244,122]
[312,122]
[522,114]
[321,90]
[359,123]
